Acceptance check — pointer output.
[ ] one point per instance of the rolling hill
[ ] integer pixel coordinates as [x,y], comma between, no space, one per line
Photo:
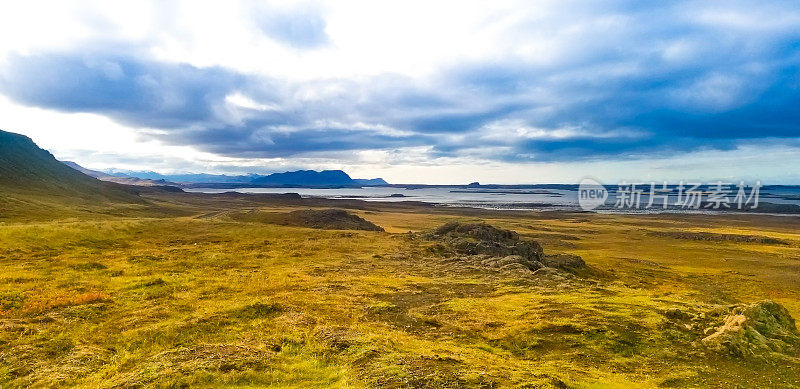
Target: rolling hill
[31,177]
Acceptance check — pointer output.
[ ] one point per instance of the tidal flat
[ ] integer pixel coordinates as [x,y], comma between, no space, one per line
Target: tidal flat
[229,290]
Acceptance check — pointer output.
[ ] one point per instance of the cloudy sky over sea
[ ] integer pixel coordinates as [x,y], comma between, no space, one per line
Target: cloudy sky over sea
[412,91]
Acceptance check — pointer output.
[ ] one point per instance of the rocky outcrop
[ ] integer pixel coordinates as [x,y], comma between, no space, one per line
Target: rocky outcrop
[755,331]
[329,219]
[486,246]
[482,238]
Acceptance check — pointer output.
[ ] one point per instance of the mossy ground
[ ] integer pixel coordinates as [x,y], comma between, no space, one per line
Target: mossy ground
[209,300]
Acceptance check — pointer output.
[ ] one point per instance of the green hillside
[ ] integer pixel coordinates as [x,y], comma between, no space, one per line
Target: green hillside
[32,180]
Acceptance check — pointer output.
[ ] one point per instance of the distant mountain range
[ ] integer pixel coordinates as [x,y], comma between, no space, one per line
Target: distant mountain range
[34,184]
[119,179]
[299,178]
[307,177]
[25,166]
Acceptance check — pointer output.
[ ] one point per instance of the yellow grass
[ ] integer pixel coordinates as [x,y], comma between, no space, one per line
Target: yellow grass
[117,301]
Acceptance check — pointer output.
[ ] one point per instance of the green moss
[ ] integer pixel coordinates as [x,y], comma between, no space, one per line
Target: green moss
[257,311]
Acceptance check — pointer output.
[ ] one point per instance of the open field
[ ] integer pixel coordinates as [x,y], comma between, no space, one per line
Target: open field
[200,292]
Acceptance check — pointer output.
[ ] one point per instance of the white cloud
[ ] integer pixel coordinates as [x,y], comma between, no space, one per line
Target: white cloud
[242,101]
[99,143]
[335,59]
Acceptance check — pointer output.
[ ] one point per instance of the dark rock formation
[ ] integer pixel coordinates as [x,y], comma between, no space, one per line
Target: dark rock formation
[481,238]
[491,247]
[329,219]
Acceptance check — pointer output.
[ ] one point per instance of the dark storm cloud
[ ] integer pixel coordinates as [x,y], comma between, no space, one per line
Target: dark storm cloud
[134,92]
[263,141]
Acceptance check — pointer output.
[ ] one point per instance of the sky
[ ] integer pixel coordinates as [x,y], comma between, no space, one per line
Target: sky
[444,92]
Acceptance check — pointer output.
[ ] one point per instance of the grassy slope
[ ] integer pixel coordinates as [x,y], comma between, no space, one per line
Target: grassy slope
[207,300]
[34,185]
